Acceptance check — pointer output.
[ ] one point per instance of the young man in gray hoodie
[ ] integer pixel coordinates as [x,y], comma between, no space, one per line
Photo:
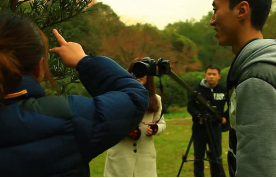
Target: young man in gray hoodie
[251,86]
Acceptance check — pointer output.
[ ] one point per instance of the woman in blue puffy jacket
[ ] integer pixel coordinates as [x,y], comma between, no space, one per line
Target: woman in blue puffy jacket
[59,135]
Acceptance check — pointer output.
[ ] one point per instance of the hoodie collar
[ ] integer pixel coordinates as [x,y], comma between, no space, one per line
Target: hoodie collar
[204,84]
[255,50]
[26,88]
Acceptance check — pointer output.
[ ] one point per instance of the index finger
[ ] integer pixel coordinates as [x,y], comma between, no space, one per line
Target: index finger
[59,38]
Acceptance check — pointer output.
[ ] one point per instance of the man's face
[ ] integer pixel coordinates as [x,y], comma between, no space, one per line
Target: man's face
[212,76]
[224,22]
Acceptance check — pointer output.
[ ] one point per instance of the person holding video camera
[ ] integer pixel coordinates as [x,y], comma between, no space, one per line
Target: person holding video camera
[135,156]
[42,136]
[214,93]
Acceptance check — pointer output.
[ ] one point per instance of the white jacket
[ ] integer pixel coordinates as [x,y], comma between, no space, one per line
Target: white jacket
[135,158]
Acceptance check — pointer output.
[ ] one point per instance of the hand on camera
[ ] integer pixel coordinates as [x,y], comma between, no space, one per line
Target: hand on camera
[135,134]
[200,119]
[70,53]
[152,130]
[223,120]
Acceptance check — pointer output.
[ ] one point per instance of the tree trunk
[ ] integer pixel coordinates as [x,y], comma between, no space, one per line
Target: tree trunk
[13,4]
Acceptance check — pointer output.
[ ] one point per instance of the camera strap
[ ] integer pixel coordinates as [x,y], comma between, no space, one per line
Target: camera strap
[154,122]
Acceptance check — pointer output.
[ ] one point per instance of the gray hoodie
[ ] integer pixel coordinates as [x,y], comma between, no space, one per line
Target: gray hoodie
[251,85]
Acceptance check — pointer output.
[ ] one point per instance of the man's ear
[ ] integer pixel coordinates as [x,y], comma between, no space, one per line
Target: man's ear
[243,9]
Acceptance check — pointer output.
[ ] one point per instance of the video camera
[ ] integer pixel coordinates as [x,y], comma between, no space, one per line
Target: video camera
[149,67]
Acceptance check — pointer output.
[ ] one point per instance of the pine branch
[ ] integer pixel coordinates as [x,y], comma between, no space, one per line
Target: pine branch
[46,13]
[62,20]
[21,2]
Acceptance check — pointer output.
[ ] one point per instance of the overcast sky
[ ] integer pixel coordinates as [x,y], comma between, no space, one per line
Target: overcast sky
[159,12]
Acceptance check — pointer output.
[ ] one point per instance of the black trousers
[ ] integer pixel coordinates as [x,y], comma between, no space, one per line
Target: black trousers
[200,141]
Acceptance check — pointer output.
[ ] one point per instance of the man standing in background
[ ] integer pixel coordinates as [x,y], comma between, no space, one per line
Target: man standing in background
[214,93]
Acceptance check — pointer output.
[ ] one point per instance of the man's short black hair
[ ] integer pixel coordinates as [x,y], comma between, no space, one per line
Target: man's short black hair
[260,10]
[213,67]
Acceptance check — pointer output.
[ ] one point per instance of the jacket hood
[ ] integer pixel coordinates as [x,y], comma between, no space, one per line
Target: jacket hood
[263,50]
[32,87]
[203,83]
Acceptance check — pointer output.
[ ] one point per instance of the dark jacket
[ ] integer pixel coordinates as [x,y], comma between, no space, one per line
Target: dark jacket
[59,135]
[251,85]
[215,96]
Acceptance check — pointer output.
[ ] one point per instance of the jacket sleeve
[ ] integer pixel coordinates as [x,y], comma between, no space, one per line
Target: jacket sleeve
[119,103]
[255,129]
[193,108]
[161,124]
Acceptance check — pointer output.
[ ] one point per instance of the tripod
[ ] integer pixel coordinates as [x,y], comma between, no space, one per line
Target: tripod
[212,153]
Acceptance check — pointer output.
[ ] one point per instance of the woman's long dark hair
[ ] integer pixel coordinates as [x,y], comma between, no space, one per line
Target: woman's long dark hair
[22,45]
[153,105]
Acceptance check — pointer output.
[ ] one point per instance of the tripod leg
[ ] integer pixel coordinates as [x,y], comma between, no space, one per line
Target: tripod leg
[216,168]
[215,158]
[210,157]
[184,157]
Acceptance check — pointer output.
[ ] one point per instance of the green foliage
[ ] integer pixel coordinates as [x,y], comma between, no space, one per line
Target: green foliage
[193,78]
[174,94]
[76,89]
[90,28]
[185,56]
[269,30]
[47,13]
[182,43]
[223,74]
[203,35]
[4,5]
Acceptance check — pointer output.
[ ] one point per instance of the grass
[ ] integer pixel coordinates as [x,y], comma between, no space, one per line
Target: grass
[177,114]
[170,147]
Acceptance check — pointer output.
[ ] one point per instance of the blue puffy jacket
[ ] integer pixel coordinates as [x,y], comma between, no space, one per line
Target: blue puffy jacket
[59,135]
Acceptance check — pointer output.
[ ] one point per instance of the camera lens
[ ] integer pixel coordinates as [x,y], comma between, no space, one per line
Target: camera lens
[140,69]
